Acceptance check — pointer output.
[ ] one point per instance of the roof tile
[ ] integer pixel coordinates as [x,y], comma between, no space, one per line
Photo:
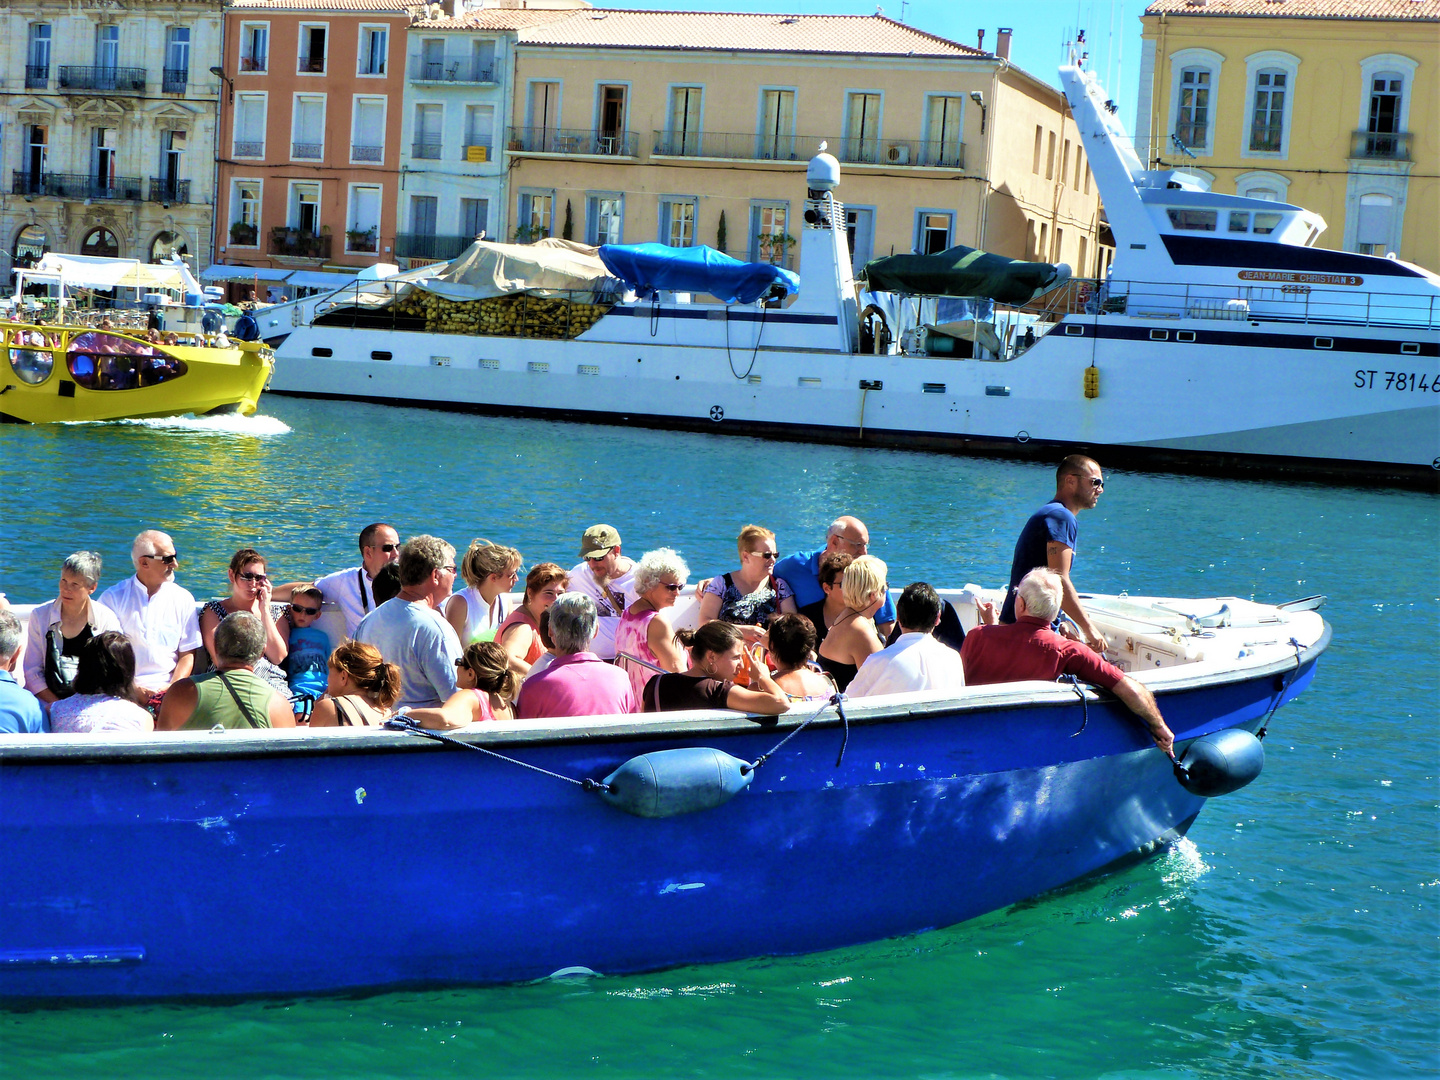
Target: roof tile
[1422,10]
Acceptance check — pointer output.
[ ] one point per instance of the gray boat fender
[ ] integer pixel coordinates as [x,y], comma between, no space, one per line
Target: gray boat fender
[1219,763]
[671,782]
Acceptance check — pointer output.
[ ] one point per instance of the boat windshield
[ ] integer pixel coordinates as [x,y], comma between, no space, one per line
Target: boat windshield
[30,358]
[100,361]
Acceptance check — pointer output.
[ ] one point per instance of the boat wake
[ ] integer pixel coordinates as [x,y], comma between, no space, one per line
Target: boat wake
[225,424]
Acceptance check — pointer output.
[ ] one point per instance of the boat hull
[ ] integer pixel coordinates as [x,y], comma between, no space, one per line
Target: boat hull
[266,864]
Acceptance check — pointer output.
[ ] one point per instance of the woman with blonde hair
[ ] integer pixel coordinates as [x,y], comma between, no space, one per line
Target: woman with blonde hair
[361,690]
[749,596]
[490,571]
[520,632]
[853,637]
[487,691]
[645,633]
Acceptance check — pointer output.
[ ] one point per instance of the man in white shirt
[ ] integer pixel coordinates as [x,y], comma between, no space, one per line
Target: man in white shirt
[608,578]
[158,616]
[353,589]
[409,630]
[916,661]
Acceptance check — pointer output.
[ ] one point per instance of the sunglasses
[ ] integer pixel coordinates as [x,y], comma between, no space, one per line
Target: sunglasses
[388,548]
[254,579]
[450,568]
[304,610]
[1097,482]
[672,588]
[168,560]
[768,556]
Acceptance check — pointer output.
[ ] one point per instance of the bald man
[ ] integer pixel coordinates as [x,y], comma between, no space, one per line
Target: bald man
[801,571]
[157,615]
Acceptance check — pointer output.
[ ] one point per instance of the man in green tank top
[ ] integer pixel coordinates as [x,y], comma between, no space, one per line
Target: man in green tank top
[232,695]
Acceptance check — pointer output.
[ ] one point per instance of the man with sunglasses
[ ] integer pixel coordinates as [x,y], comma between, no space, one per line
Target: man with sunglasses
[1049,540]
[409,630]
[801,571]
[157,615]
[353,588]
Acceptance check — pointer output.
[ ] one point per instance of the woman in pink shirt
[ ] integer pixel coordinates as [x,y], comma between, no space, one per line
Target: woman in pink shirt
[487,691]
[645,631]
[520,632]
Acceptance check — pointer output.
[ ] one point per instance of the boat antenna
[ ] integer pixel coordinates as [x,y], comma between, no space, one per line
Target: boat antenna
[1180,145]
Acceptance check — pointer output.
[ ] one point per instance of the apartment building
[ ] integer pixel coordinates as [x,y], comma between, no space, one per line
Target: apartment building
[1333,105]
[688,128]
[107,119]
[309,144]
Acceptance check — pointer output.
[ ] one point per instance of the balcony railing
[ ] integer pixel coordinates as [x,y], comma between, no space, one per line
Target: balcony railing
[427,149]
[451,70]
[538,140]
[164,189]
[255,64]
[430,246]
[114,79]
[307,151]
[1389,145]
[250,149]
[37,76]
[173,80]
[367,153]
[1265,138]
[922,153]
[298,244]
[75,186]
[312,63]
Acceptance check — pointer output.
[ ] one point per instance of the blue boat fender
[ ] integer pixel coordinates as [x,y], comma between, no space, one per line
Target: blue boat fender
[671,782]
[1219,763]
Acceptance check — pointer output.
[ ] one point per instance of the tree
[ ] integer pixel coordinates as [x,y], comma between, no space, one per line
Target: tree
[567,231]
[720,232]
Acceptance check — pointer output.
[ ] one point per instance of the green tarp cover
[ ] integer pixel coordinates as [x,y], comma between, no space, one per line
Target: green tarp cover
[963,271]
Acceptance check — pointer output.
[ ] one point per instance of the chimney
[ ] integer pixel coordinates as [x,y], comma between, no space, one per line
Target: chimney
[980,43]
[1002,43]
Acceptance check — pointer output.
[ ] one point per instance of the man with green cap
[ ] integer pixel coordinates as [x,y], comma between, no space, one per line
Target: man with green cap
[608,578]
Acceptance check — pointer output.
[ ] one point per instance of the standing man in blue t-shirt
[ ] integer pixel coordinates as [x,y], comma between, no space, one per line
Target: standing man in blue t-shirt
[1048,540]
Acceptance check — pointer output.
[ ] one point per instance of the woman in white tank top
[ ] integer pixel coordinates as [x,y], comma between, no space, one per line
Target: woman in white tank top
[476,611]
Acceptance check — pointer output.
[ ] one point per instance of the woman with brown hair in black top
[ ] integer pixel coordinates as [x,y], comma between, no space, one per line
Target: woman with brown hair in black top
[362,689]
[717,658]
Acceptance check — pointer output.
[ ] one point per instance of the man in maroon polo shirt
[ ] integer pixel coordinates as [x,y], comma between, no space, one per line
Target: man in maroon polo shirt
[1028,649]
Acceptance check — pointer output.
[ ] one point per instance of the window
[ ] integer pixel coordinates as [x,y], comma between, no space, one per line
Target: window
[432,59]
[860,235]
[374,44]
[245,213]
[1266,223]
[1032,250]
[482,61]
[1239,221]
[367,130]
[307,138]
[1268,118]
[1039,141]
[362,227]
[1050,157]
[107,48]
[612,120]
[305,208]
[172,160]
[933,229]
[37,57]
[1270,186]
[474,217]
[1044,245]
[1065,162]
[770,234]
[254,46]
[544,113]
[1194,95]
[682,137]
[1183,218]
[942,132]
[537,213]
[479,132]
[104,146]
[312,49]
[862,128]
[177,60]
[1059,245]
[167,244]
[249,126]
[1194,123]
[1080,262]
[777,125]
[37,149]
[100,242]
[1386,93]
[1087,179]
[605,218]
[424,209]
[677,221]
[1079,159]
[1375,230]
[428,119]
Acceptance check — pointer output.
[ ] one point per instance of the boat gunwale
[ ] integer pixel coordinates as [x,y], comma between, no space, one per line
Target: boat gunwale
[301,742]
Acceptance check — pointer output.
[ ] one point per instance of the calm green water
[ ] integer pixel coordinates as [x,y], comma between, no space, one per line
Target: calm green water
[1293,935]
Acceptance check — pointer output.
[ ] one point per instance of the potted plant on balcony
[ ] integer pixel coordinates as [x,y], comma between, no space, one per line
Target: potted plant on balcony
[243,233]
[528,234]
[772,246]
[360,240]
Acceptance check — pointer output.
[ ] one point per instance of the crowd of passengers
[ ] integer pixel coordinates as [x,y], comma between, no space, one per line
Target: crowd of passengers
[598,639]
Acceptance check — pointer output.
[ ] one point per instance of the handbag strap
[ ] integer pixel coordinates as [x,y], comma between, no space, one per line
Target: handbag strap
[244,708]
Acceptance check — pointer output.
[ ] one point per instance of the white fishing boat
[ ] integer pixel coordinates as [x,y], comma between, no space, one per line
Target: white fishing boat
[1221,339]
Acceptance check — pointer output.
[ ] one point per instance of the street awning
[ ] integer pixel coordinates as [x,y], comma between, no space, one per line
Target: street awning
[93,272]
[218,272]
[319,279]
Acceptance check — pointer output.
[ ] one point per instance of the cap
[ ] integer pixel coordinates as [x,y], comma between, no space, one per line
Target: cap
[598,541]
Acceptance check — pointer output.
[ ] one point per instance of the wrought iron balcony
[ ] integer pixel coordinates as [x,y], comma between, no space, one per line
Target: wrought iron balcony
[921,153]
[255,65]
[126,80]
[427,149]
[430,246]
[580,141]
[307,151]
[312,63]
[461,71]
[164,189]
[25,183]
[298,244]
[76,186]
[1266,138]
[173,80]
[249,149]
[367,153]
[37,76]
[1387,145]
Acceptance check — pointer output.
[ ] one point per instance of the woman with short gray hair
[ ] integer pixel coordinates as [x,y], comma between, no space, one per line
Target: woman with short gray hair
[60,628]
[645,642]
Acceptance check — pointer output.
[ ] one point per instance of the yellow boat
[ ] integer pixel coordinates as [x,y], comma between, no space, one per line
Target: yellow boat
[51,374]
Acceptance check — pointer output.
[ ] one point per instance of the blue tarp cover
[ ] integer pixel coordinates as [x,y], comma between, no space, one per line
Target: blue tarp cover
[647,267]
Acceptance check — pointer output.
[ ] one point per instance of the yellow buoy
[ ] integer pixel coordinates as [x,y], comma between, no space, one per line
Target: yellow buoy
[1092,381]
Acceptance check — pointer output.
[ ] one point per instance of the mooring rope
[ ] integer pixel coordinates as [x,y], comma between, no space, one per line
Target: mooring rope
[405,724]
[835,699]
[1284,686]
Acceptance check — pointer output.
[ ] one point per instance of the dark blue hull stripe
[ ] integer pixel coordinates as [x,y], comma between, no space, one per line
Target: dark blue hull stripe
[1262,255]
[1254,340]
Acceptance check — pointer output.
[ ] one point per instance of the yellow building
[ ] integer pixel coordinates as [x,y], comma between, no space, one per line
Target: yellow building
[1332,105]
[639,126]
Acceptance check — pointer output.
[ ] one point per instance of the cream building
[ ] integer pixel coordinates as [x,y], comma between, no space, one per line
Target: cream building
[1332,105]
[689,128]
[107,128]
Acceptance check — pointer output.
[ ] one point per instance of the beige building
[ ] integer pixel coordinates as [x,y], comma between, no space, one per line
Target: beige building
[1333,105]
[689,128]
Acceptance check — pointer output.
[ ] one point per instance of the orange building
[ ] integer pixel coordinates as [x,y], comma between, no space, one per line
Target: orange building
[309,140]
